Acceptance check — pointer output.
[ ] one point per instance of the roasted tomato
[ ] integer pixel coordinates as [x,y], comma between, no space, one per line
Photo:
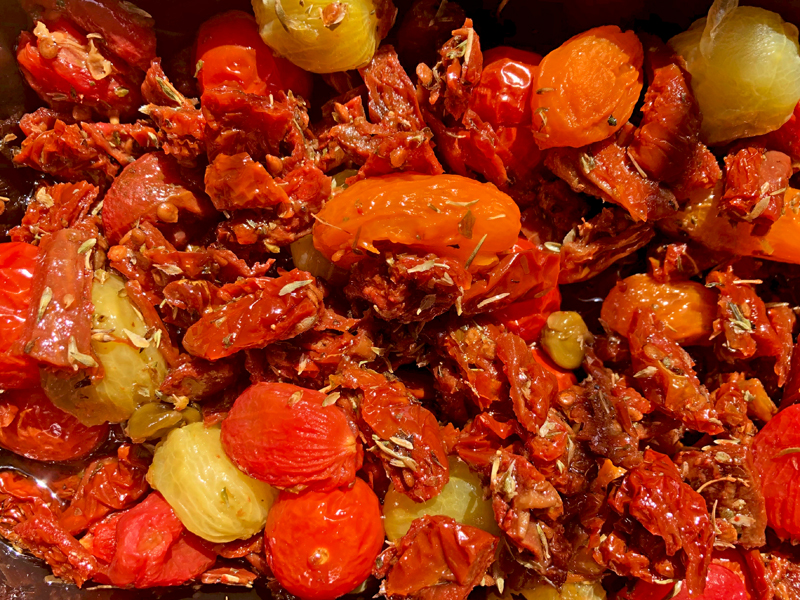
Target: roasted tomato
[721,584]
[284,435]
[31,426]
[503,96]
[67,69]
[448,215]
[321,545]
[587,87]
[151,547]
[687,308]
[230,51]
[776,450]
[17,263]
[156,189]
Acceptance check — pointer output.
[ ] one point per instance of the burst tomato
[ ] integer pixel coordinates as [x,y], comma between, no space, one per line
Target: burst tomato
[508,78]
[230,51]
[321,545]
[449,215]
[281,434]
[31,426]
[17,263]
[776,450]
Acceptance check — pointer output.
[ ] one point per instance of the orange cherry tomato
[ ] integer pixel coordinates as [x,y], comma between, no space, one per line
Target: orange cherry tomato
[17,263]
[31,426]
[321,545]
[687,308]
[776,450]
[448,215]
[587,87]
[232,52]
[281,434]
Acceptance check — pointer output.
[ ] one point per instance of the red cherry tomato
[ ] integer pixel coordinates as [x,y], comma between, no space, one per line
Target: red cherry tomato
[281,434]
[232,51]
[776,450]
[152,547]
[564,379]
[30,425]
[321,545]
[17,263]
[507,81]
[721,584]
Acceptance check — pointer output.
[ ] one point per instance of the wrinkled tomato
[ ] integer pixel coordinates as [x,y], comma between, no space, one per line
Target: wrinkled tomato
[230,51]
[151,547]
[776,450]
[448,215]
[321,545]
[17,263]
[507,81]
[282,434]
[721,584]
[31,426]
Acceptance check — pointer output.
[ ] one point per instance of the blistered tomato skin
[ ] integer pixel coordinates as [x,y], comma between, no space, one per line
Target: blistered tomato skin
[17,263]
[321,545]
[503,96]
[687,307]
[448,215]
[32,427]
[281,434]
[776,450]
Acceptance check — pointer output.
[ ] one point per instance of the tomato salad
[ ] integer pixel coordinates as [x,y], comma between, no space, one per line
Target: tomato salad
[481,322]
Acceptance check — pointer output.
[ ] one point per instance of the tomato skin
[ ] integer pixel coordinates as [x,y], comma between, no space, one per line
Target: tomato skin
[17,264]
[152,547]
[345,525]
[780,474]
[564,379]
[32,427]
[721,584]
[281,434]
[398,209]
[508,79]
[232,51]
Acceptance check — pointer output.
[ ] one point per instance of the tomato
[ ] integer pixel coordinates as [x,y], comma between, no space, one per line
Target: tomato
[776,450]
[687,308]
[282,434]
[31,426]
[449,215]
[155,184]
[152,547]
[321,545]
[503,95]
[66,68]
[721,584]
[587,87]
[17,263]
[564,378]
[230,51]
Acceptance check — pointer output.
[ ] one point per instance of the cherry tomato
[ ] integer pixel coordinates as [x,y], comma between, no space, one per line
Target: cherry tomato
[230,50]
[564,378]
[721,584]
[449,215]
[508,78]
[66,68]
[17,263]
[281,434]
[321,545]
[152,547]
[776,450]
[31,426]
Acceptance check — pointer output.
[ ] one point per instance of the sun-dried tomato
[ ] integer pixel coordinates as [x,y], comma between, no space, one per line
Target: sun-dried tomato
[266,311]
[31,426]
[53,208]
[238,182]
[404,434]
[438,559]
[108,484]
[665,373]
[58,327]
[124,142]
[754,185]
[282,434]
[67,69]
[155,189]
